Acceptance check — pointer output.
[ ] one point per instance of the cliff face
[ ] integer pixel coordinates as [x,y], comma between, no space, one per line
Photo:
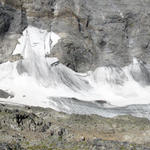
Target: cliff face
[93,33]
[12,23]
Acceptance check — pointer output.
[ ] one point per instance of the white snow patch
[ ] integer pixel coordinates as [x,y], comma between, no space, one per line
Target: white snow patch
[41,41]
[36,78]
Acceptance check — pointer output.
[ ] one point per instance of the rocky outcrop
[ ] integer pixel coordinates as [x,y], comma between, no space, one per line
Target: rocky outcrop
[12,23]
[4,94]
[93,33]
[106,33]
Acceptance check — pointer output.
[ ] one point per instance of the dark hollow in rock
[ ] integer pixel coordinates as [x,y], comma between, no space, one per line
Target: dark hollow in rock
[61,132]
[20,118]
[5,21]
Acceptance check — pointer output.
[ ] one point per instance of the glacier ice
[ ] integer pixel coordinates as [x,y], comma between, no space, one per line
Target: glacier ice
[43,81]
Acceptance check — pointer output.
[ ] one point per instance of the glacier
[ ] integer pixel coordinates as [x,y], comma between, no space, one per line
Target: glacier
[40,80]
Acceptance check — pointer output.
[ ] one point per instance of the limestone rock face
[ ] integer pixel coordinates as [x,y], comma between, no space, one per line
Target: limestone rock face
[93,33]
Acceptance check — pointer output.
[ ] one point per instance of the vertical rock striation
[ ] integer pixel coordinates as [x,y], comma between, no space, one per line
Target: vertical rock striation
[93,33]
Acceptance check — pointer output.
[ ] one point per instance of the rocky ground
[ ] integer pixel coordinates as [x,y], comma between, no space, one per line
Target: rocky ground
[35,128]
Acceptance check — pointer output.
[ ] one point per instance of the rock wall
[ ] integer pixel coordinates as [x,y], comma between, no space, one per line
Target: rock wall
[93,33]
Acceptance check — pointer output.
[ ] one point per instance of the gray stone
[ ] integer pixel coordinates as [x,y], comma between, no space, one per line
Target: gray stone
[61,132]
[93,33]
[7,146]
[4,94]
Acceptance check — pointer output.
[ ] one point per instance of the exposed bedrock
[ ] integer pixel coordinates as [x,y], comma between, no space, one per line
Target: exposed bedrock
[12,23]
[93,33]
[4,94]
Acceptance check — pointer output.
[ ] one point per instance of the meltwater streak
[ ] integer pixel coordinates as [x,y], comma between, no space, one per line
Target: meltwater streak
[38,80]
[71,105]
